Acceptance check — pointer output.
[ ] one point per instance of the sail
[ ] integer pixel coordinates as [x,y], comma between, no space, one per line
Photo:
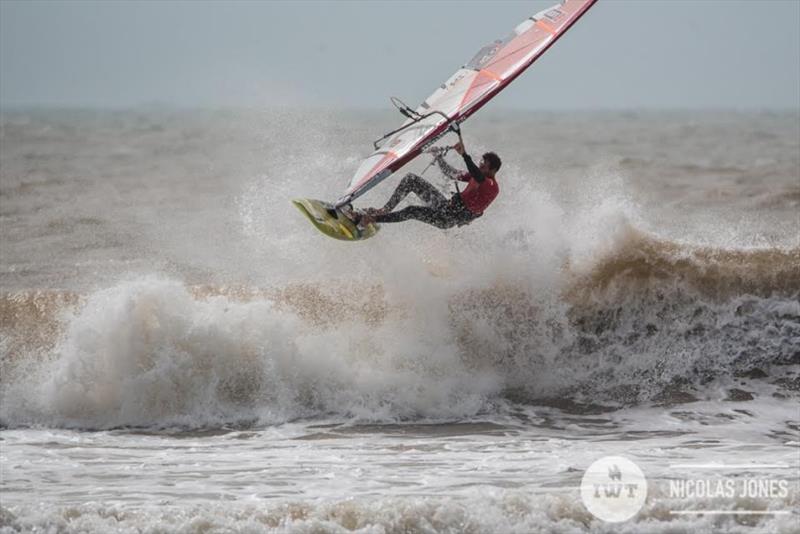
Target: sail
[493,67]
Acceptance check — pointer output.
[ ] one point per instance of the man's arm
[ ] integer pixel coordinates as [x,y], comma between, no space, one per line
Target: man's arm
[473,169]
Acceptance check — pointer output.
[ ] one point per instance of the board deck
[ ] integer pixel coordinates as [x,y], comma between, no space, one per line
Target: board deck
[332,222]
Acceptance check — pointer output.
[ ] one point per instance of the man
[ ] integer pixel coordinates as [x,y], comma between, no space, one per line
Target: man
[460,209]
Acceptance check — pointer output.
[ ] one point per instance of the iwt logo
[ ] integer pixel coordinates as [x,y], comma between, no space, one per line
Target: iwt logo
[613,489]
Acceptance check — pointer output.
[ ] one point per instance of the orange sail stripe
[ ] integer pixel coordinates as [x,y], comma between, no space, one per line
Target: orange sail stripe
[491,74]
[476,84]
[546,27]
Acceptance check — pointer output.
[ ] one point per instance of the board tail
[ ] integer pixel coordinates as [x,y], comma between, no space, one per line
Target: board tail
[332,222]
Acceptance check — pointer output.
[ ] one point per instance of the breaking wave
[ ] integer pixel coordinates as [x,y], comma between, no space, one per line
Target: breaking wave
[648,320]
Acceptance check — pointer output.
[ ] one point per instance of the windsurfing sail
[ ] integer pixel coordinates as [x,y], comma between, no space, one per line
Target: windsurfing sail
[473,85]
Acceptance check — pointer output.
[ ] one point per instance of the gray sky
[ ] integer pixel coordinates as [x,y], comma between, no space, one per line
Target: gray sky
[622,54]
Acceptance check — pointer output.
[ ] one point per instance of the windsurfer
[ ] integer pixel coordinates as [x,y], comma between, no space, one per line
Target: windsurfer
[460,209]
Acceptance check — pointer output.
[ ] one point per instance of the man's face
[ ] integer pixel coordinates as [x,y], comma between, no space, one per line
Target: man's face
[484,167]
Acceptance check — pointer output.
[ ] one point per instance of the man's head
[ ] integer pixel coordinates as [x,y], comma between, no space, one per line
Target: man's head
[490,164]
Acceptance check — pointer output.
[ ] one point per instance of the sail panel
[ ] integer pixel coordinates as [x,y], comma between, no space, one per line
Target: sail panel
[467,90]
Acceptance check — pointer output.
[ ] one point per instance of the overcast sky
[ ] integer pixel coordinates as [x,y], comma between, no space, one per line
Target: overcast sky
[621,54]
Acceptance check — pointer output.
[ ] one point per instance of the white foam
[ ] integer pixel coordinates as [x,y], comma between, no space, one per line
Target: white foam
[483,510]
[148,352]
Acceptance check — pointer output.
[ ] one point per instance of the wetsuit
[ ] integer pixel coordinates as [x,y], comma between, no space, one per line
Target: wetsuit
[459,209]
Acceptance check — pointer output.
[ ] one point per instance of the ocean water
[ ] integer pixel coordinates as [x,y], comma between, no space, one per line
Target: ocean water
[180,351]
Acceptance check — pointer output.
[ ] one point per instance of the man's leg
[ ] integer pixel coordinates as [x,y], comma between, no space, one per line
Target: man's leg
[412,183]
[438,217]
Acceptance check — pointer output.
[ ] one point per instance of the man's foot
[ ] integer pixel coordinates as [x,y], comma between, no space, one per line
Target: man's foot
[360,218]
[366,219]
[351,213]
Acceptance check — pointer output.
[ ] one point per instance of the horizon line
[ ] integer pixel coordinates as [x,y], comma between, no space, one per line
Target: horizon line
[166,106]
